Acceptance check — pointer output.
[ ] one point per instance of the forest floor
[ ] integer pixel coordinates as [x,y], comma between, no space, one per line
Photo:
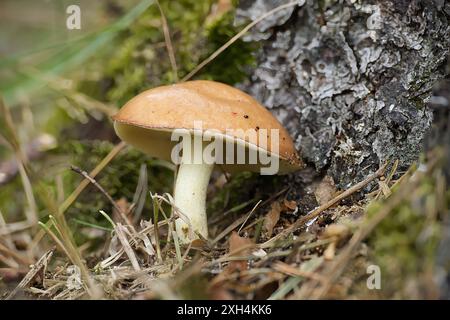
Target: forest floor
[83,216]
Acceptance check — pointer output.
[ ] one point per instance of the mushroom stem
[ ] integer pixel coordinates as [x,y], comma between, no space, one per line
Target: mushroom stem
[190,198]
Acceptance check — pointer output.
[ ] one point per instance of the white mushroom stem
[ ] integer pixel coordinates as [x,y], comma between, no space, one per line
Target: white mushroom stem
[190,198]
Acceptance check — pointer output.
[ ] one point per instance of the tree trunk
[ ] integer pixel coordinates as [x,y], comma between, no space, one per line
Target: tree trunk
[350,79]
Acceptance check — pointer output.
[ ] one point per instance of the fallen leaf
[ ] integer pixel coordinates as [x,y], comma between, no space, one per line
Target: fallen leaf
[239,246]
[218,10]
[220,293]
[272,217]
[325,190]
[124,206]
[289,205]
[198,244]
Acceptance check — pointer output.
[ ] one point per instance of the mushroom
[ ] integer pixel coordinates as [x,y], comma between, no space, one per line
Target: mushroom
[227,127]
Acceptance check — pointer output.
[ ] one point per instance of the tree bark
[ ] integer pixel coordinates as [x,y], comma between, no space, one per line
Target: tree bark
[350,79]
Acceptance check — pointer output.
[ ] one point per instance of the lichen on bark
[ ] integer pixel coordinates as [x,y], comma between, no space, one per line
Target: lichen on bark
[350,79]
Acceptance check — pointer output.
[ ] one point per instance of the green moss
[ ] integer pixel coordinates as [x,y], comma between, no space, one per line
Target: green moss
[119,179]
[233,193]
[12,200]
[242,188]
[404,244]
[230,66]
[139,59]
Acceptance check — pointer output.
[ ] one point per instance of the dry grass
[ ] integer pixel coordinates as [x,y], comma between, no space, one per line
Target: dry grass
[145,260]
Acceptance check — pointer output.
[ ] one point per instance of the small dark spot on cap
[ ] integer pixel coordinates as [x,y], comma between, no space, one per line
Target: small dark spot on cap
[245,116]
[257,128]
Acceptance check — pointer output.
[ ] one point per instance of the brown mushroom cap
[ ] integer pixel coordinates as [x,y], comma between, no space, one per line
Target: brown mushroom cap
[148,120]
